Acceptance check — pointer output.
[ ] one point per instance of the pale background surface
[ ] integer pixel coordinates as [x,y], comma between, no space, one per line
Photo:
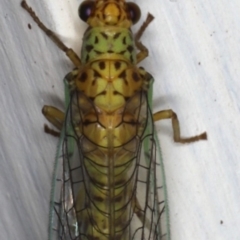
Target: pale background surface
[195,59]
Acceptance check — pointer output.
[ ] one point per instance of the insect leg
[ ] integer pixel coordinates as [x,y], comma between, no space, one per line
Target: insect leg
[69,52]
[143,50]
[167,114]
[55,117]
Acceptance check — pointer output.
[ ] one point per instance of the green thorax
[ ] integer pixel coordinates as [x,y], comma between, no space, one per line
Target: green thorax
[108,43]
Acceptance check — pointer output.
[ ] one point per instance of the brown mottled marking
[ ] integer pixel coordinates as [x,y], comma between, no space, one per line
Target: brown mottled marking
[124,41]
[130,48]
[132,122]
[83,77]
[110,51]
[96,74]
[139,212]
[87,58]
[118,199]
[104,35]
[135,77]
[94,82]
[122,52]
[103,93]
[89,48]
[122,75]
[96,40]
[116,35]
[98,198]
[97,52]
[96,182]
[117,65]
[91,98]
[86,122]
[116,93]
[102,65]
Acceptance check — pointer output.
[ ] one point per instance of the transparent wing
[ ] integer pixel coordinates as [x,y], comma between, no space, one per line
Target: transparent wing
[156,208]
[158,181]
[153,215]
[63,223]
[71,211]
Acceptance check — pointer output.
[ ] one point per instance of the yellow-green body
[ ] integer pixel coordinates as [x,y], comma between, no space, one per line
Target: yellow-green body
[109,116]
[108,179]
[105,174]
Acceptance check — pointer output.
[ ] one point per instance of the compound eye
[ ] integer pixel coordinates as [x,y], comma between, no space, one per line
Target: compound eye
[85,10]
[134,11]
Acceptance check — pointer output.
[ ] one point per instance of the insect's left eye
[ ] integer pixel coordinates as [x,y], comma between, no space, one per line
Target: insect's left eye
[134,11]
[85,10]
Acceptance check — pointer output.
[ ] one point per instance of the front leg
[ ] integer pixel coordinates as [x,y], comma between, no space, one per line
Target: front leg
[55,117]
[143,50]
[69,52]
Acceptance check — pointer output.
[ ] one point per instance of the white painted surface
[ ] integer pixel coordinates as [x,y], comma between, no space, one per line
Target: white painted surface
[194,57]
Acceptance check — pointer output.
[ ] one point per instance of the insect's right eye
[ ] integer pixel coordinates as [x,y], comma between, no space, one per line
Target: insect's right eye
[85,10]
[134,11]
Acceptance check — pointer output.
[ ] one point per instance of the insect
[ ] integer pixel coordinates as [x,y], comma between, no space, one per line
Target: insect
[108,182]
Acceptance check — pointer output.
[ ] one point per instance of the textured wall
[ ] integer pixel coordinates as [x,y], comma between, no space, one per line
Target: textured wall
[194,57]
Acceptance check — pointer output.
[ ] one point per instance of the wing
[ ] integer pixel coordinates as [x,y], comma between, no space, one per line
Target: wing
[148,219]
[151,183]
[63,223]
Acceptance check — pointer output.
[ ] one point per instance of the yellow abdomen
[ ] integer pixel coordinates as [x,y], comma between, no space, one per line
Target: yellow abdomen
[109,114]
